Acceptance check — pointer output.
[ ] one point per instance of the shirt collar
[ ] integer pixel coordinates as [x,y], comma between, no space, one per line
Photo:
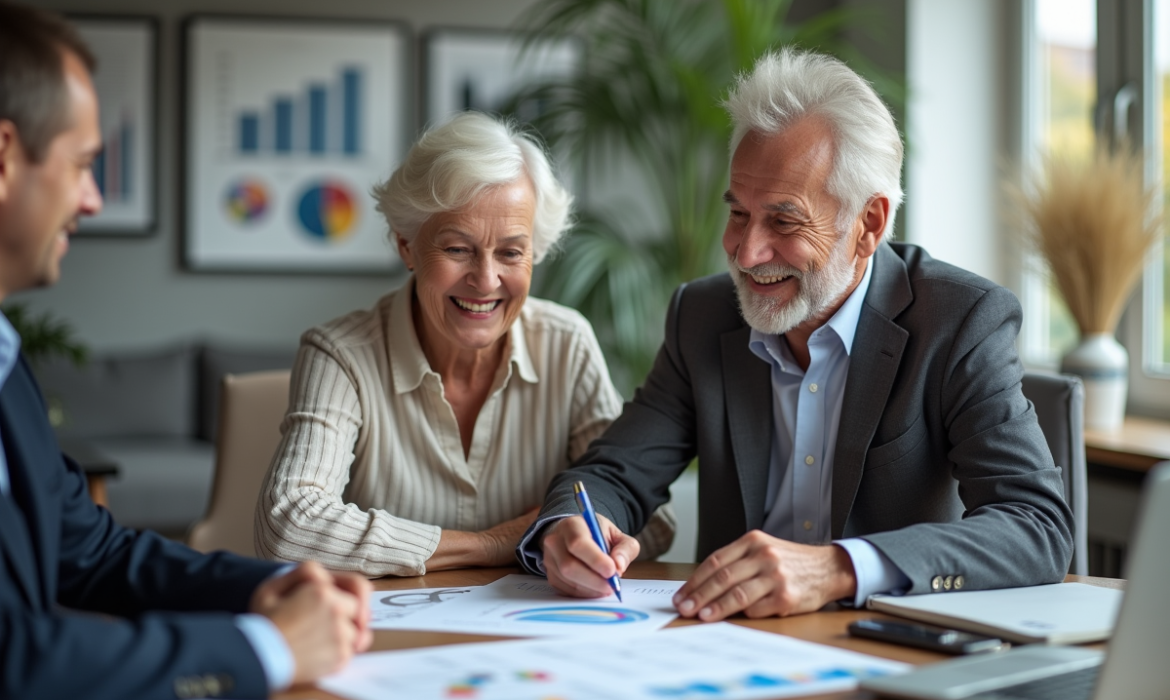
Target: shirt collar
[843,323]
[9,349]
[409,365]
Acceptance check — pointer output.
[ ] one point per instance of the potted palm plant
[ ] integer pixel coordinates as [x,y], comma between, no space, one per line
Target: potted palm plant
[647,104]
[42,336]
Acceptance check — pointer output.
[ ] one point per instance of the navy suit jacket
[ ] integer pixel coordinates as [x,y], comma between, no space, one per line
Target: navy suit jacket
[166,628]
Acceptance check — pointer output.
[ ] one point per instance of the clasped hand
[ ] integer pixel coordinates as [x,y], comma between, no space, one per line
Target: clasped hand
[323,615]
[758,575]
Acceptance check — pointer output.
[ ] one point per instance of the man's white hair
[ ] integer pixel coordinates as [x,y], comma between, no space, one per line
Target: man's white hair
[789,85]
[453,163]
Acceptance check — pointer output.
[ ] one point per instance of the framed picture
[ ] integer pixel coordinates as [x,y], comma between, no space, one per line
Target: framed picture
[482,69]
[288,125]
[126,169]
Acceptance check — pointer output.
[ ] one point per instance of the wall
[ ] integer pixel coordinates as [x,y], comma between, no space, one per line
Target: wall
[958,132]
[120,293]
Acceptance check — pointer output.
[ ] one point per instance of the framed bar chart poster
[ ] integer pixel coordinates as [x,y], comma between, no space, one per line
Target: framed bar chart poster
[482,69]
[124,171]
[289,123]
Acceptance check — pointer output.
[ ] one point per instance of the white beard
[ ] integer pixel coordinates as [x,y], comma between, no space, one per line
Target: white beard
[819,290]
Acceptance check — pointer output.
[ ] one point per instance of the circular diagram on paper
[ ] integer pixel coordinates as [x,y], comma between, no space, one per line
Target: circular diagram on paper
[580,614]
[246,200]
[327,211]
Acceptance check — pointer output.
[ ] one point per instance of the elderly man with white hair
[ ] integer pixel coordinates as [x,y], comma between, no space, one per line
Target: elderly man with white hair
[422,433]
[855,406]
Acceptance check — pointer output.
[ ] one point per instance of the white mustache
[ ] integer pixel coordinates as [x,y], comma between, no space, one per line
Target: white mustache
[770,271]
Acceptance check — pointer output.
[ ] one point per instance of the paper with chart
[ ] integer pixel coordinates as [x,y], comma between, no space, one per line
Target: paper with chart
[718,661]
[527,606]
[389,609]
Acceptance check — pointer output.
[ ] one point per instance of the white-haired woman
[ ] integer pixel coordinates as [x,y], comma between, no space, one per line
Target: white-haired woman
[422,433]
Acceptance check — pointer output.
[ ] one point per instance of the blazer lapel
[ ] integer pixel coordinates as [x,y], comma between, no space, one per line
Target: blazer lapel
[747,391]
[873,364]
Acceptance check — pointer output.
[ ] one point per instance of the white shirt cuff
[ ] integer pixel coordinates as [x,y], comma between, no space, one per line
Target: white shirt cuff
[874,571]
[268,643]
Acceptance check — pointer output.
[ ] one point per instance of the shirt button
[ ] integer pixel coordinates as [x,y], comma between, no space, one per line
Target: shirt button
[807,524]
[812,388]
[809,460]
[959,582]
[948,582]
[936,583]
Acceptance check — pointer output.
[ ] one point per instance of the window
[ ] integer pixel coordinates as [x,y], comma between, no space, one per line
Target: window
[1094,63]
[1157,280]
[1065,58]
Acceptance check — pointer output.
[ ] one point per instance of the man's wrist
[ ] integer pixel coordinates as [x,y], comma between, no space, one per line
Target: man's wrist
[844,585]
[271,648]
[530,550]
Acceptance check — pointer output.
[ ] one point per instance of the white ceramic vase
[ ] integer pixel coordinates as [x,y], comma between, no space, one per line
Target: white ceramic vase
[1103,365]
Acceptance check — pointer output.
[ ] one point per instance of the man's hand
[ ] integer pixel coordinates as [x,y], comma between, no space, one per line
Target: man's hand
[574,563]
[763,575]
[323,616]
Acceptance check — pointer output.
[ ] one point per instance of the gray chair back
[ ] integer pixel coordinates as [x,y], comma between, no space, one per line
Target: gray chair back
[1059,400]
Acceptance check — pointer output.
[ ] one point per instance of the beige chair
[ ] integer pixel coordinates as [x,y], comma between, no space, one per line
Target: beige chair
[252,407]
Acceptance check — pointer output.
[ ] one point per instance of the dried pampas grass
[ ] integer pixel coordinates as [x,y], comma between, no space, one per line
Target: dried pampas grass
[1092,220]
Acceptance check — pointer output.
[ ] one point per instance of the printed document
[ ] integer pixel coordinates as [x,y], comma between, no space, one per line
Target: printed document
[715,661]
[389,609]
[527,606]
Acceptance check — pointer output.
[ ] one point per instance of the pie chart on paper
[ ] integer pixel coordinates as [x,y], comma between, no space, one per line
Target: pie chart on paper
[327,211]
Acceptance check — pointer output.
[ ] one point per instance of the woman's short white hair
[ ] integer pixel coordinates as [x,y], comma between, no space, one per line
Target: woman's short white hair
[788,85]
[452,163]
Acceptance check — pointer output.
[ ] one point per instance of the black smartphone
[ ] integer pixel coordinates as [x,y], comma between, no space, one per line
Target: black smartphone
[914,634]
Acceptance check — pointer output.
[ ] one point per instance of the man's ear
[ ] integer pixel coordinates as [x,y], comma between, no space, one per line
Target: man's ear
[12,156]
[872,222]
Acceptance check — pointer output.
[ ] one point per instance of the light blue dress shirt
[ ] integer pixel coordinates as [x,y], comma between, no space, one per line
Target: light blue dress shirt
[806,408]
[261,633]
[9,351]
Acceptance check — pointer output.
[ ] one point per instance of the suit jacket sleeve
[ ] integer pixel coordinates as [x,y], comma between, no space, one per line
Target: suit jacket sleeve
[628,470]
[166,625]
[1014,527]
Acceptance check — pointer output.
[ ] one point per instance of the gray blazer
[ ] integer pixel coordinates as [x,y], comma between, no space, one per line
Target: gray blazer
[940,462]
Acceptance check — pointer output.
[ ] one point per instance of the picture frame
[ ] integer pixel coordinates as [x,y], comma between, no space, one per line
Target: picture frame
[288,124]
[482,68]
[126,81]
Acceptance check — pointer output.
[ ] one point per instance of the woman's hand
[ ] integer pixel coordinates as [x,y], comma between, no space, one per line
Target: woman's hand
[495,546]
[500,541]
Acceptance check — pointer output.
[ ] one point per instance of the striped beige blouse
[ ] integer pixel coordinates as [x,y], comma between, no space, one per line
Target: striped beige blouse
[371,466]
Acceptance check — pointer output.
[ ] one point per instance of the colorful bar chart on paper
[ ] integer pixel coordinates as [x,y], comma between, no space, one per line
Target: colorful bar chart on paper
[323,118]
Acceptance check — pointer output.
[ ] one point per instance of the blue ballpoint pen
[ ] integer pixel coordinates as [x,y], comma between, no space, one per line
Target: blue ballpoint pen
[595,529]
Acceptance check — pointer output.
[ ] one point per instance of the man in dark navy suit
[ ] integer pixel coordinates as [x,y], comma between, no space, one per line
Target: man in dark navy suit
[172,622]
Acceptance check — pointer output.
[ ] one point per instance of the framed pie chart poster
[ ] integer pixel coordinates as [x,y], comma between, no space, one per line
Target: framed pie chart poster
[289,123]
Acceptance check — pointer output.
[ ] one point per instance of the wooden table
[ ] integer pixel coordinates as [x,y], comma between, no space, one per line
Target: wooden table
[1137,445]
[825,627]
